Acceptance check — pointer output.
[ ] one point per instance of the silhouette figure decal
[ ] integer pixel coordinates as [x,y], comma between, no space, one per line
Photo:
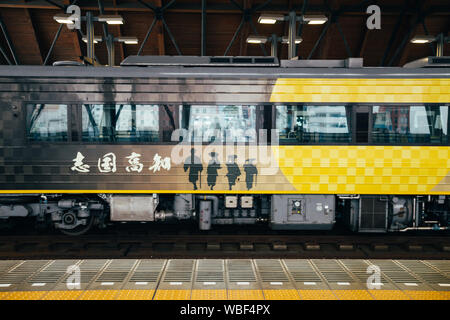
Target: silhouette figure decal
[195,167]
[250,171]
[233,171]
[194,164]
[211,171]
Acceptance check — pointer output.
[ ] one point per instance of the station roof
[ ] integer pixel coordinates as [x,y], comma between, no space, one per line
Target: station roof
[30,26]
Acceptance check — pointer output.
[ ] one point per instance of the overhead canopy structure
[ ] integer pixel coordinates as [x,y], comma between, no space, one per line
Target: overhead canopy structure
[30,35]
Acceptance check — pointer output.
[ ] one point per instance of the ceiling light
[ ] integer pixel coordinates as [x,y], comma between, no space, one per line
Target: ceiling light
[270,18]
[97,39]
[286,40]
[64,18]
[111,19]
[423,39]
[256,39]
[128,40]
[314,19]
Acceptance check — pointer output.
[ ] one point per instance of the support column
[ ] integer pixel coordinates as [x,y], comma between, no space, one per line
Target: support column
[110,47]
[292,34]
[440,45]
[90,36]
[274,45]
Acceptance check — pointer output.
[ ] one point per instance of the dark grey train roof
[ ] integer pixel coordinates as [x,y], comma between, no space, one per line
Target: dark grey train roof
[217,72]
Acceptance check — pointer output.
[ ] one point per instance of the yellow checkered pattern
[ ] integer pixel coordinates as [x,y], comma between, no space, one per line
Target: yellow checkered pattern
[362,90]
[366,169]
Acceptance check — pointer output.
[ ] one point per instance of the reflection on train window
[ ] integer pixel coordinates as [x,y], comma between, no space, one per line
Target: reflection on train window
[415,124]
[220,123]
[47,122]
[120,122]
[311,124]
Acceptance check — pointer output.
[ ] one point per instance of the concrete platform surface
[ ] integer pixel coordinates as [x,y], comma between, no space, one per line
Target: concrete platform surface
[216,279]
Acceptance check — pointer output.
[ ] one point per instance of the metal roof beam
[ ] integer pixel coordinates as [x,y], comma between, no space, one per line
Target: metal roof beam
[2,51]
[35,34]
[394,33]
[53,43]
[217,7]
[203,28]
[8,41]
[416,20]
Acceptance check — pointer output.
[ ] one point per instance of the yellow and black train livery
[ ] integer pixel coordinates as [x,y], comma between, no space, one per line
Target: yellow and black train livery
[226,140]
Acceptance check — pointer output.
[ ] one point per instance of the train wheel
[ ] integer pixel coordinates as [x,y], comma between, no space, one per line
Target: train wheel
[79,230]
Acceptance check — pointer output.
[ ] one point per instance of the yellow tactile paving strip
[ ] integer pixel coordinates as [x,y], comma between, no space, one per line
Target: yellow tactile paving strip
[317,295]
[63,295]
[135,295]
[245,295]
[209,295]
[173,295]
[389,295]
[3,295]
[222,294]
[352,295]
[446,294]
[26,295]
[281,294]
[425,295]
[99,295]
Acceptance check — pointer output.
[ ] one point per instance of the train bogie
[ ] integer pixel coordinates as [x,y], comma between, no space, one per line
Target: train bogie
[360,213]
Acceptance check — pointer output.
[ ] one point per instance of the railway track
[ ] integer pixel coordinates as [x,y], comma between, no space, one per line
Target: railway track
[183,243]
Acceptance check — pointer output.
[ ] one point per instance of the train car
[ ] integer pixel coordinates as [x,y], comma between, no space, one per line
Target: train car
[299,145]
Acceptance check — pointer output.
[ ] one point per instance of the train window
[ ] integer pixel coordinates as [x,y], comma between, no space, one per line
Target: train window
[361,116]
[218,123]
[121,122]
[410,124]
[47,122]
[313,124]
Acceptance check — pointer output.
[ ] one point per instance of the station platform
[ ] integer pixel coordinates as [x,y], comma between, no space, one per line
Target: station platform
[217,279]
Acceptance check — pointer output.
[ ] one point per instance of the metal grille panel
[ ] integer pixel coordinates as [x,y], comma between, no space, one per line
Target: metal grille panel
[89,269]
[179,270]
[359,269]
[442,266]
[240,270]
[332,271]
[394,272]
[5,265]
[302,271]
[22,272]
[210,270]
[424,272]
[116,271]
[271,270]
[148,271]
